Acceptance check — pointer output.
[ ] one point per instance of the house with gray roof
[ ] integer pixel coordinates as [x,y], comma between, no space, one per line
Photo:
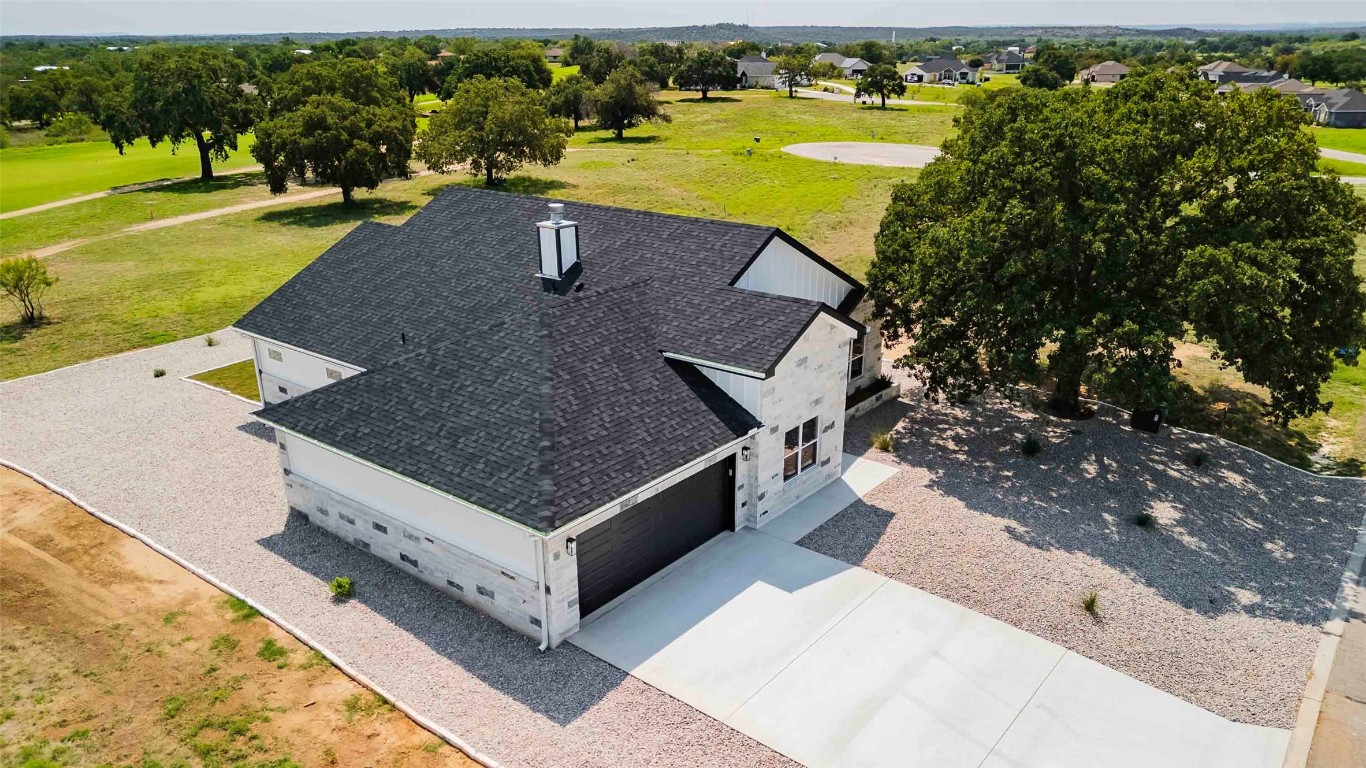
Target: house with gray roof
[1008,62]
[853,68]
[534,409]
[1104,72]
[1339,108]
[755,71]
[941,69]
[1218,71]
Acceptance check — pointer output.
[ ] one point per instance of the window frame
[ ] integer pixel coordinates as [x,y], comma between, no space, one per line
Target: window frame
[858,352]
[808,436]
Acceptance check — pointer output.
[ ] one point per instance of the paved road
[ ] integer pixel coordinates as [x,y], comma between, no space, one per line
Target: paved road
[1337,154]
[117,191]
[866,153]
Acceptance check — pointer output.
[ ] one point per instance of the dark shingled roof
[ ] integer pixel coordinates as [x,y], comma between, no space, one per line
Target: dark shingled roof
[536,406]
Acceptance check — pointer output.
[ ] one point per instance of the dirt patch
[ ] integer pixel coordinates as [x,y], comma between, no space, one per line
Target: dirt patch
[113,654]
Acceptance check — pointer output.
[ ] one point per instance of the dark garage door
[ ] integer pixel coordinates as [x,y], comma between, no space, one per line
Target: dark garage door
[624,551]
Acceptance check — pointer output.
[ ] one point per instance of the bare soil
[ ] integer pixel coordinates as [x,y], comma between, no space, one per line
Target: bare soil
[111,654]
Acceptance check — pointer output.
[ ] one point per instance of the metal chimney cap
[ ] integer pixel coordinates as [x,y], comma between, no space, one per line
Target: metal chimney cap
[557,212]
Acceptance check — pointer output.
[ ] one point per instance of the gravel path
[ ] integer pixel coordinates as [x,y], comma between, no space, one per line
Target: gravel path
[187,466]
[866,153]
[1219,604]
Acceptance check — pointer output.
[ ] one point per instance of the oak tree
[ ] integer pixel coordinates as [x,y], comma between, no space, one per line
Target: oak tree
[625,100]
[496,126]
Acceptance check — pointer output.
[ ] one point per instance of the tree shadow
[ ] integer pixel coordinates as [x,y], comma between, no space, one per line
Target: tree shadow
[222,183]
[1242,417]
[16,330]
[522,185]
[338,212]
[1239,535]
[610,139]
[561,684]
[708,100]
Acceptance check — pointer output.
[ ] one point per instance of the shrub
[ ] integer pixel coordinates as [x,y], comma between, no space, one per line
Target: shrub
[1091,602]
[158,372]
[24,280]
[1144,520]
[1030,446]
[71,129]
[882,441]
[1198,459]
[210,341]
[342,587]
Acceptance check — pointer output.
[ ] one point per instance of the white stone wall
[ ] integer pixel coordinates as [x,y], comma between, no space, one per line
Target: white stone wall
[295,372]
[872,346]
[810,381]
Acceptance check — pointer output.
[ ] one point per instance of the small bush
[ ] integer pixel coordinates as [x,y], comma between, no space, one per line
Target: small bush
[1030,446]
[882,441]
[158,372]
[71,129]
[342,587]
[24,280]
[210,341]
[1091,602]
[271,650]
[1144,520]
[1198,459]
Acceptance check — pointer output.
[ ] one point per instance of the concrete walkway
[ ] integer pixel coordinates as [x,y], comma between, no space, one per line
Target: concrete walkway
[866,153]
[1339,737]
[1338,154]
[833,665]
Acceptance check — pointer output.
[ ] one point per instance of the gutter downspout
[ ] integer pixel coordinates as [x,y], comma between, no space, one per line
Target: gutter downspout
[541,587]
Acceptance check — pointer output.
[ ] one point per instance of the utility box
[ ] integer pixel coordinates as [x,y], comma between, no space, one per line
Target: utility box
[1148,419]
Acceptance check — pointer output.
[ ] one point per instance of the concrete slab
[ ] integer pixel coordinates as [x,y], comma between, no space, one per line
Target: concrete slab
[906,679]
[722,624]
[858,478]
[1086,714]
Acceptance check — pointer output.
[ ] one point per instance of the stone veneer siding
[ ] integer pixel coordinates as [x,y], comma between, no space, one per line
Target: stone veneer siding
[505,596]
[811,381]
[872,349]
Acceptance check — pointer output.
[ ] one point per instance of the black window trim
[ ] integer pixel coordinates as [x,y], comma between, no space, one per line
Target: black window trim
[803,440]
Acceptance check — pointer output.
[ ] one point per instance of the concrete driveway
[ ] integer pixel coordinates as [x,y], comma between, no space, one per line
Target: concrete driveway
[833,665]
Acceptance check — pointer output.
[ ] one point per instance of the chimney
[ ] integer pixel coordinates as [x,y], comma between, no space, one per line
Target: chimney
[559,242]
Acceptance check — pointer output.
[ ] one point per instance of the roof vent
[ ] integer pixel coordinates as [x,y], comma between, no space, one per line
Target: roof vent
[559,245]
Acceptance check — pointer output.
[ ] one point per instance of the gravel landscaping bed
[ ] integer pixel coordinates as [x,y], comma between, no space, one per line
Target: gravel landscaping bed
[1219,602]
[187,466]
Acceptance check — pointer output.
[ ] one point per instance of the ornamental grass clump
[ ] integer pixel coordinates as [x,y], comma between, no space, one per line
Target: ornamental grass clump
[882,441]
[1091,602]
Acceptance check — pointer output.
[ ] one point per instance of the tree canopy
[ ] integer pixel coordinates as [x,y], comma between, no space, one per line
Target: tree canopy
[1041,77]
[569,98]
[497,126]
[624,101]
[706,70]
[344,121]
[180,93]
[521,62]
[880,80]
[1093,227]
[792,71]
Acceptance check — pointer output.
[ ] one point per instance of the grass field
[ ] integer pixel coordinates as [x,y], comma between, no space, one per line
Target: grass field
[558,73]
[1342,167]
[1345,139]
[37,175]
[238,378]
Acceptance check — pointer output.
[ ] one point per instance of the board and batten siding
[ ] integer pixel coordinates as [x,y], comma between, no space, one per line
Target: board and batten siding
[498,541]
[742,389]
[295,371]
[786,271]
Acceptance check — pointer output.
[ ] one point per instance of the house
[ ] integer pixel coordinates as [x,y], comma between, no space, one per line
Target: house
[1104,72]
[853,68]
[941,69]
[534,414]
[554,55]
[1216,71]
[1339,108]
[1009,62]
[755,71]
[1031,50]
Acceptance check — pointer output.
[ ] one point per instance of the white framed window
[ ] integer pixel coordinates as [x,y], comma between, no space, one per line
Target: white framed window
[275,355]
[799,449]
[384,529]
[334,374]
[856,356]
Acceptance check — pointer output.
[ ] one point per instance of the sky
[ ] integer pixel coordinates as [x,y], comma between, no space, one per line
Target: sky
[163,17]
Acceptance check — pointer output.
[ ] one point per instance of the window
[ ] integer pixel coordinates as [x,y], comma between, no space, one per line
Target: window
[799,449]
[856,357]
[275,355]
[411,537]
[345,518]
[409,560]
[362,543]
[381,528]
[334,374]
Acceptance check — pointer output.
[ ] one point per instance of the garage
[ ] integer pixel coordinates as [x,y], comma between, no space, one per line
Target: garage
[618,554]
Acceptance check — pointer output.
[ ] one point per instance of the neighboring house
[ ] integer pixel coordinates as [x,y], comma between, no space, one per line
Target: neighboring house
[853,68]
[534,414]
[1104,72]
[1031,50]
[1281,84]
[1250,80]
[1217,71]
[755,71]
[553,55]
[1339,108]
[941,69]
[1007,62]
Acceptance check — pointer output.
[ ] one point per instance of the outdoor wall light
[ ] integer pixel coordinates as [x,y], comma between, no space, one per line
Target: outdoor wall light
[569,545]
[744,453]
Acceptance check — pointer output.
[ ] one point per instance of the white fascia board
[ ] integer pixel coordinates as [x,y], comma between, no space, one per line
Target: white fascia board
[717,366]
[407,479]
[300,350]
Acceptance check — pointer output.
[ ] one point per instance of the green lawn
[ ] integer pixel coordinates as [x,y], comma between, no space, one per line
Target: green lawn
[43,174]
[238,378]
[558,73]
[1342,167]
[1345,139]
